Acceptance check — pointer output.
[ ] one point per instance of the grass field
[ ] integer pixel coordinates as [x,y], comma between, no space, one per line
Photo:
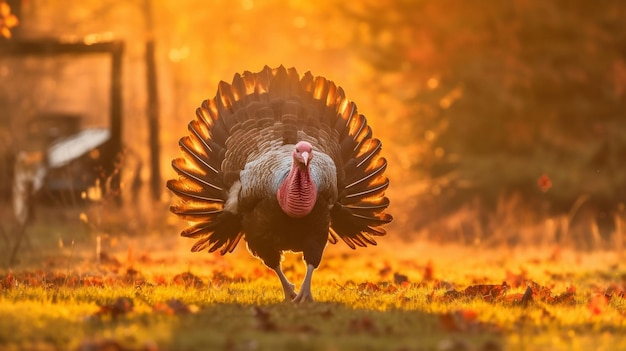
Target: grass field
[149,293]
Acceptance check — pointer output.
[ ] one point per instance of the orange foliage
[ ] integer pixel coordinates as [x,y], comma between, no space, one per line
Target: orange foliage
[7,20]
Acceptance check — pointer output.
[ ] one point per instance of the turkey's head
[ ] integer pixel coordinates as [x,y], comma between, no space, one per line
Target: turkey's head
[303,153]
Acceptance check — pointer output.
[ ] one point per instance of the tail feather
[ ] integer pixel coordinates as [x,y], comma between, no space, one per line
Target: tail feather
[368,213]
[373,191]
[230,244]
[370,205]
[367,177]
[284,84]
[373,220]
[224,231]
[198,230]
[366,238]
[201,244]
[192,191]
[368,151]
[196,213]
[219,131]
[347,110]
[198,156]
[190,171]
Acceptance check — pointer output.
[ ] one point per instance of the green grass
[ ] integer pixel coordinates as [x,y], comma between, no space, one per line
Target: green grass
[62,298]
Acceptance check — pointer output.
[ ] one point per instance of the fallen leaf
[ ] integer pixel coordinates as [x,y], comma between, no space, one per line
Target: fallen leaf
[9,281]
[567,297]
[362,324]
[368,286]
[488,292]
[400,279]
[612,291]
[159,279]
[527,297]
[544,183]
[598,304]
[188,280]
[465,320]
[175,307]
[453,345]
[429,274]
[264,320]
[386,270]
[121,306]
[93,281]
[516,280]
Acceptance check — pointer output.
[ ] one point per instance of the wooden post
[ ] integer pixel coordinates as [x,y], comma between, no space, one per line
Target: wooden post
[153,109]
[153,121]
[116,117]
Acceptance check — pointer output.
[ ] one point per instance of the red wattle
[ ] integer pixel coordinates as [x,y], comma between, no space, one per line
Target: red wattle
[297,194]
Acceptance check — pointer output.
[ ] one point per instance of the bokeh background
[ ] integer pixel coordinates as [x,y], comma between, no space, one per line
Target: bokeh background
[504,122]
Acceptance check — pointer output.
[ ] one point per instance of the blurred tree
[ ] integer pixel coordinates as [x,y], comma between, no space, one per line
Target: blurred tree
[498,93]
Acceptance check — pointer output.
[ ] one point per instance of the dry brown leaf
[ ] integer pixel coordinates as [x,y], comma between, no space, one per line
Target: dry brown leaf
[188,280]
[119,307]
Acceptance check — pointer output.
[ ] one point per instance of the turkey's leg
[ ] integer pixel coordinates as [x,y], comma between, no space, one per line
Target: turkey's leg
[288,288]
[305,291]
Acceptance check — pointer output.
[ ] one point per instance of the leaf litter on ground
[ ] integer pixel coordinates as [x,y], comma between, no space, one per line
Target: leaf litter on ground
[449,302]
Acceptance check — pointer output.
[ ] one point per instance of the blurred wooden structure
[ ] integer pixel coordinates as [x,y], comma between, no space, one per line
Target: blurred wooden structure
[53,47]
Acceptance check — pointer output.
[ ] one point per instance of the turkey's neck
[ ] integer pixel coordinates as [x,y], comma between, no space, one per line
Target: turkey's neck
[297,193]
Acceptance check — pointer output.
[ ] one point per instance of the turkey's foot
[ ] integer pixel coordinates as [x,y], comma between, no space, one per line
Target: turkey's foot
[305,294]
[288,288]
[290,292]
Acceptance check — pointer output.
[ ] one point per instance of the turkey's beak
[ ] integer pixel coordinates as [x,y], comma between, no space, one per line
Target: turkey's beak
[305,158]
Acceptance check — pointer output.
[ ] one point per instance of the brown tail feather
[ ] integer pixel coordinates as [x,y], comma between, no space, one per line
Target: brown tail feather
[372,192]
[197,214]
[190,191]
[192,173]
[368,176]
[371,205]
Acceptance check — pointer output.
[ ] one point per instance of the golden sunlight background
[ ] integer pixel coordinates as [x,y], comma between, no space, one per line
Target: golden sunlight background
[503,122]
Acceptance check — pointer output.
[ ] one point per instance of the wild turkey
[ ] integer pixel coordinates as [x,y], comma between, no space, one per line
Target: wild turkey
[287,164]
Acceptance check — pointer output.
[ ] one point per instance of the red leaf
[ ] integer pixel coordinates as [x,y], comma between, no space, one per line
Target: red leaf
[516,280]
[93,281]
[429,272]
[544,183]
[159,280]
[9,281]
[598,303]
